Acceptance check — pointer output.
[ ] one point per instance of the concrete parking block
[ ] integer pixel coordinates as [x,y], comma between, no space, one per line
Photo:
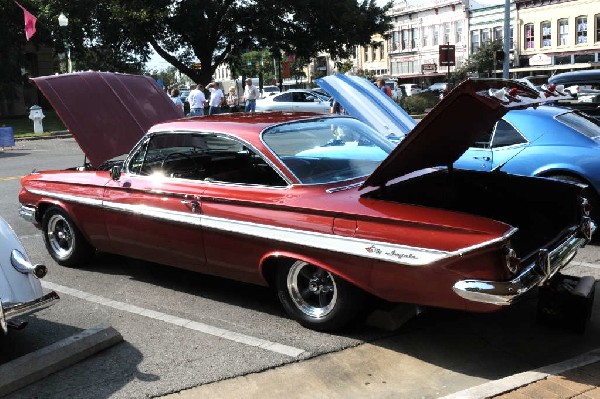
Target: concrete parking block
[34,366]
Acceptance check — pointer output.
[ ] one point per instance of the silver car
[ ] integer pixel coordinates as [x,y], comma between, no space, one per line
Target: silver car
[20,288]
[295,100]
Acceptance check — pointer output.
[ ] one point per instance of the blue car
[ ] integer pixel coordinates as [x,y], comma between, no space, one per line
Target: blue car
[549,141]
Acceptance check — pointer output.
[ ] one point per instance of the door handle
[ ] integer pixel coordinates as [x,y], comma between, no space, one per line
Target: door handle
[487,159]
[194,204]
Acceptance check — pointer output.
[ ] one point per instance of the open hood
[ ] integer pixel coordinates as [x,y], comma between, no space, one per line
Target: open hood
[452,126]
[364,101]
[107,113]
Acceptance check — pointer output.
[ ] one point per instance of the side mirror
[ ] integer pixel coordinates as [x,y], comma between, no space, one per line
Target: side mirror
[115,172]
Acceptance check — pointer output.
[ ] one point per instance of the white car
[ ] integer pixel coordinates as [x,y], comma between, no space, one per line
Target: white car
[268,91]
[20,288]
[296,100]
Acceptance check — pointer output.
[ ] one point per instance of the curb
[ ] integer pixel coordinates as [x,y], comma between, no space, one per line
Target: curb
[53,135]
[34,366]
[510,383]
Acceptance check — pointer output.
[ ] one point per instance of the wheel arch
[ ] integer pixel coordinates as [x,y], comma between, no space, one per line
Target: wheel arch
[44,205]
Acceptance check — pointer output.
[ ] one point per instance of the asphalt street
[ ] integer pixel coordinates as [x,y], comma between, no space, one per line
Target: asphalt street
[183,330]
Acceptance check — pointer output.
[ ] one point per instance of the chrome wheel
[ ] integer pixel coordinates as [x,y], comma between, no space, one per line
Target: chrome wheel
[313,290]
[60,236]
[64,241]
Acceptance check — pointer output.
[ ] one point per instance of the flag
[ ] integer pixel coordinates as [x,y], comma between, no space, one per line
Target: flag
[30,21]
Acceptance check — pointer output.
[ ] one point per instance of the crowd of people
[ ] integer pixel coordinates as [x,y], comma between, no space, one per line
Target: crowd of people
[198,100]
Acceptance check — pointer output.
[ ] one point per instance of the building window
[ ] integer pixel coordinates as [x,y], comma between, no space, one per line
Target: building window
[458,32]
[425,36]
[447,32]
[498,33]
[436,35]
[366,53]
[597,19]
[404,39]
[529,36]
[581,24]
[563,32]
[381,50]
[373,52]
[546,34]
[396,40]
[475,41]
[485,36]
[414,39]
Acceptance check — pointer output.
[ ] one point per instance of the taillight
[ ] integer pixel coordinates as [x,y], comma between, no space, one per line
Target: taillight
[512,260]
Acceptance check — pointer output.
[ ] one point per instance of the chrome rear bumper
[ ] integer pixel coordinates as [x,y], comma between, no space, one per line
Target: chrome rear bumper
[504,293]
[7,313]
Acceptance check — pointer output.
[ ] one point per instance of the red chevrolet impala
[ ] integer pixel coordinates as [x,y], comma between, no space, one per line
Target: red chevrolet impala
[324,208]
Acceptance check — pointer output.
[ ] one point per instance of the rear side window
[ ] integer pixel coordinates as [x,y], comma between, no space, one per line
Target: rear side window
[505,135]
[584,124]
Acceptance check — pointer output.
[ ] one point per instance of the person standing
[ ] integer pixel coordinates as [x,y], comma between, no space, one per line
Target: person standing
[232,99]
[250,96]
[384,88]
[197,99]
[176,100]
[216,97]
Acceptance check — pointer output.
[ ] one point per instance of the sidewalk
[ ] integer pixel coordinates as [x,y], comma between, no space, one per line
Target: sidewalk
[574,378]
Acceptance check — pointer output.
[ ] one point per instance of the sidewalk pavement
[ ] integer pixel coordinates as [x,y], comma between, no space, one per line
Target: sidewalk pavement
[577,378]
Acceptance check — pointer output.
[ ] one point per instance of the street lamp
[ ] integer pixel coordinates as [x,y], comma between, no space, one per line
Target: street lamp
[63,22]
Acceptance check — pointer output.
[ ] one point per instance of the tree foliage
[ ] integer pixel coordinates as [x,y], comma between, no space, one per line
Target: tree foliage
[120,34]
[483,62]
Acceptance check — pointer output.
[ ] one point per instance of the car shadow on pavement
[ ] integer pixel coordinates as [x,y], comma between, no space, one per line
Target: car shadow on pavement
[12,153]
[491,345]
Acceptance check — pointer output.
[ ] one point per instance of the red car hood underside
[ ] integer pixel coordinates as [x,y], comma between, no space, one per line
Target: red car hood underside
[107,113]
[452,126]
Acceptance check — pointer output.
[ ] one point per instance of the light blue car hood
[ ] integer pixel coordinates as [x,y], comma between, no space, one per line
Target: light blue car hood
[364,101]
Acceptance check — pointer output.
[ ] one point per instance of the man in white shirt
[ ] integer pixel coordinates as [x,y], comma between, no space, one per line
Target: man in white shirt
[196,99]
[216,97]
[250,96]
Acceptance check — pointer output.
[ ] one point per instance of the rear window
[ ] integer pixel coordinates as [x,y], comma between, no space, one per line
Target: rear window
[583,123]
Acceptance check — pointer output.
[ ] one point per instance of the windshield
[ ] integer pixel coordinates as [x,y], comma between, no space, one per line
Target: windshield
[328,150]
[582,123]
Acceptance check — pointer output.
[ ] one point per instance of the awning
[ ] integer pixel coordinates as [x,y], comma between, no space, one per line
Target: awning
[420,75]
[546,68]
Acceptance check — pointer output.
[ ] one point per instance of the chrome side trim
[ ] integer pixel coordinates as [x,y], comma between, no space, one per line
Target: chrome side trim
[10,311]
[503,293]
[396,253]
[28,213]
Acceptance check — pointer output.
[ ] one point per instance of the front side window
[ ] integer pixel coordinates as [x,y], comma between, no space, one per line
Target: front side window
[529,36]
[285,97]
[581,24]
[208,157]
[546,34]
[327,150]
[563,32]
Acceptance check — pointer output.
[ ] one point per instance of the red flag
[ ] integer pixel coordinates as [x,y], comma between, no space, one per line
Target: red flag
[30,21]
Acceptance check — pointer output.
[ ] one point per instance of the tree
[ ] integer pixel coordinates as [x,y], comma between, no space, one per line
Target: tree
[482,62]
[213,32]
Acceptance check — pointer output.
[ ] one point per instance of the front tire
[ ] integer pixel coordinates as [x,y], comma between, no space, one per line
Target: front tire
[64,241]
[316,298]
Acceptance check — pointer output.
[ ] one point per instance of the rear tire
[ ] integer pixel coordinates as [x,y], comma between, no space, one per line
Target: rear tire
[316,298]
[64,241]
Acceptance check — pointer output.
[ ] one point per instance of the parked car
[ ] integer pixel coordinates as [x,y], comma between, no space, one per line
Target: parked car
[440,88]
[554,142]
[409,88]
[322,207]
[20,288]
[296,100]
[270,91]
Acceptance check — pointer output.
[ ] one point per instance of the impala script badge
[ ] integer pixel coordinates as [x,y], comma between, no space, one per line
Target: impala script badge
[375,250]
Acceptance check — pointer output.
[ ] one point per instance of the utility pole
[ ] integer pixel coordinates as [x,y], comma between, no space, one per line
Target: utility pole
[506,41]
